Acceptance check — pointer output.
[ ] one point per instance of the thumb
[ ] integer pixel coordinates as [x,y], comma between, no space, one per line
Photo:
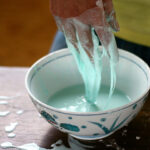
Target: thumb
[110,14]
[111,19]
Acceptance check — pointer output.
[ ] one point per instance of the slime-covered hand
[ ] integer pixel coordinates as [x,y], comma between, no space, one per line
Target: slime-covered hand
[77,17]
[79,20]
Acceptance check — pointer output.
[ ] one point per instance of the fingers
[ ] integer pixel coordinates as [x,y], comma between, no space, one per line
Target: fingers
[85,37]
[67,27]
[58,23]
[108,41]
[110,14]
[69,31]
[76,32]
[102,15]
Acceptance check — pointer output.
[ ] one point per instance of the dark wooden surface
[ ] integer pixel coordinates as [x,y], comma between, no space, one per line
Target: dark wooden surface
[32,128]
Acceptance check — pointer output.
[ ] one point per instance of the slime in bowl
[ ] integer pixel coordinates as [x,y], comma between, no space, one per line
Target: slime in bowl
[58,71]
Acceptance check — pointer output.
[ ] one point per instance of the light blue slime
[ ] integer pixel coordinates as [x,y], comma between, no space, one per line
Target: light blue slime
[91,70]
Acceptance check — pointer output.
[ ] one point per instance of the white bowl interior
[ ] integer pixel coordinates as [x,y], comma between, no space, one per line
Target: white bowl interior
[58,71]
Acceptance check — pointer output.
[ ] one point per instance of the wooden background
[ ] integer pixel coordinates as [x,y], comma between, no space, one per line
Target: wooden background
[27,29]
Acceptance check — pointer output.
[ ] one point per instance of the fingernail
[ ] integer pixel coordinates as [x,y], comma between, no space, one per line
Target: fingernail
[116,27]
[113,23]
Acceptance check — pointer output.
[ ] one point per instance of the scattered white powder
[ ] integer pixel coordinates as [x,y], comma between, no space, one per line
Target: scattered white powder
[33,146]
[124,132]
[40,115]
[8,97]
[19,112]
[11,135]
[30,146]
[138,138]
[108,145]
[6,145]
[11,127]
[4,113]
[60,147]
[3,102]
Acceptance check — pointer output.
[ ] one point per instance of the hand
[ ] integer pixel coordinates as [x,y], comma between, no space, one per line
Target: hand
[76,17]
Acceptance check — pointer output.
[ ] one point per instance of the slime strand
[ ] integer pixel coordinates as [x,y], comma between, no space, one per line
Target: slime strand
[91,68]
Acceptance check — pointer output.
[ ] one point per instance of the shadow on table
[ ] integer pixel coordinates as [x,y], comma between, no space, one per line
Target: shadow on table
[52,136]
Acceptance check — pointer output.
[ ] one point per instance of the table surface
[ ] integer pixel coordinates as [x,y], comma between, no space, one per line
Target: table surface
[33,128]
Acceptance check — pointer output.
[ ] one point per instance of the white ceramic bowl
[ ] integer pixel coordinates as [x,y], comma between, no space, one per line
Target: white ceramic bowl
[58,70]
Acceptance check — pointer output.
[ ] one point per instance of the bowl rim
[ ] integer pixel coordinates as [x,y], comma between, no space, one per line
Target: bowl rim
[113,110]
